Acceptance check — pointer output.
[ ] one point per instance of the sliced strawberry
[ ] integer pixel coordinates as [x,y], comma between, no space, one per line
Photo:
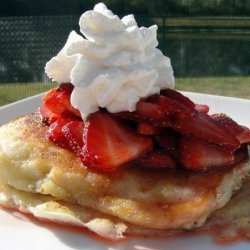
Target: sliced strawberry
[55,134]
[242,133]
[149,111]
[146,128]
[154,112]
[241,154]
[157,159]
[48,116]
[108,143]
[73,132]
[201,108]
[129,116]
[200,125]
[168,139]
[68,87]
[162,111]
[177,96]
[244,136]
[58,101]
[197,155]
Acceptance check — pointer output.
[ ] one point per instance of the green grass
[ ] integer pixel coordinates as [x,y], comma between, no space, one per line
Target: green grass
[210,21]
[11,92]
[208,27]
[163,36]
[226,86]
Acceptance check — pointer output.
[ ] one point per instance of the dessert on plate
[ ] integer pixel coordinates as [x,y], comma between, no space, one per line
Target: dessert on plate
[114,148]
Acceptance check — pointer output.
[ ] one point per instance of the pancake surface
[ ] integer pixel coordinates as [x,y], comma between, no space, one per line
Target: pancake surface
[130,199]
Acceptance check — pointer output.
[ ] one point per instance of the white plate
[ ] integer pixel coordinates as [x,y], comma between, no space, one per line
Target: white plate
[20,234]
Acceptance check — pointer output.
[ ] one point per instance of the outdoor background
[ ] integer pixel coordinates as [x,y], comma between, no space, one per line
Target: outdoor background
[208,41]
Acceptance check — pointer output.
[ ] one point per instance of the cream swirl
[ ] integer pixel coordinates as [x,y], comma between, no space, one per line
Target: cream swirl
[115,65]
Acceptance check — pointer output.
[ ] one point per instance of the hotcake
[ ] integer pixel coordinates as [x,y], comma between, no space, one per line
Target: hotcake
[47,181]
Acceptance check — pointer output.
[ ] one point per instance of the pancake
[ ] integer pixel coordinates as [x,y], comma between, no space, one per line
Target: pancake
[51,183]
[232,222]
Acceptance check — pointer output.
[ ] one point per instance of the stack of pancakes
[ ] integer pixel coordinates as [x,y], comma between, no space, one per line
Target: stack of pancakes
[49,182]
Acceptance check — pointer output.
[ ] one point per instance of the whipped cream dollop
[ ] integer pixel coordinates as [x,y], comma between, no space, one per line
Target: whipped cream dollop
[114,65]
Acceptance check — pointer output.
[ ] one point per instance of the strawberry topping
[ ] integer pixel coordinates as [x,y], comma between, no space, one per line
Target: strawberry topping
[55,134]
[242,133]
[196,155]
[201,108]
[48,116]
[169,141]
[163,111]
[157,159]
[73,133]
[177,96]
[58,101]
[188,121]
[146,128]
[164,131]
[108,143]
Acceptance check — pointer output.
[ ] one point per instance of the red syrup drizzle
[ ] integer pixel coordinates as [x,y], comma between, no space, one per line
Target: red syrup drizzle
[223,235]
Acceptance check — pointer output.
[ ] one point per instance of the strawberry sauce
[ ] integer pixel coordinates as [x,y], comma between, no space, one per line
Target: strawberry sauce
[223,235]
[166,130]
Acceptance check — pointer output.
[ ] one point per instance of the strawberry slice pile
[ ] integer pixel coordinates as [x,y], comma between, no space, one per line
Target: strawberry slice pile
[57,104]
[167,130]
[102,142]
[109,143]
